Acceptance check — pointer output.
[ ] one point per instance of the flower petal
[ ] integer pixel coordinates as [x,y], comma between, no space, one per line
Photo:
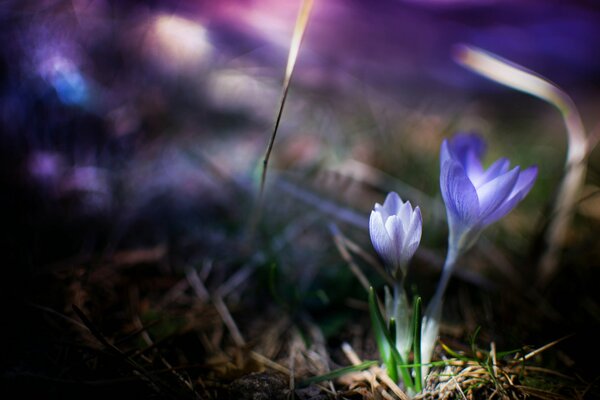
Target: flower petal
[412,236]
[409,252]
[468,149]
[526,180]
[414,229]
[495,192]
[524,184]
[382,242]
[392,203]
[498,168]
[381,210]
[463,144]
[445,152]
[405,213]
[394,226]
[459,195]
[388,226]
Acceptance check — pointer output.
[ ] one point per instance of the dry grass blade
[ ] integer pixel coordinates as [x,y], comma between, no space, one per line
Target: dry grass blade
[355,248]
[383,377]
[270,363]
[146,337]
[341,247]
[154,382]
[324,206]
[494,359]
[374,372]
[541,349]
[496,378]
[228,320]
[355,360]
[299,29]
[517,77]
[196,283]
[462,394]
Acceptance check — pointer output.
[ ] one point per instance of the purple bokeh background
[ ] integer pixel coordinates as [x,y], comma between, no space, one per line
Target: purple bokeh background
[106,107]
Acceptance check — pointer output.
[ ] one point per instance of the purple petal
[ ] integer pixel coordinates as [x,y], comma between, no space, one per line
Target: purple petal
[494,193]
[380,238]
[502,210]
[467,149]
[463,144]
[473,167]
[498,168]
[445,152]
[524,184]
[459,195]
[526,180]
[392,203]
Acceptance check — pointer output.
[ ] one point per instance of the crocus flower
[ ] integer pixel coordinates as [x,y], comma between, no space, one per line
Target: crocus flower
[476,197]
[395,232]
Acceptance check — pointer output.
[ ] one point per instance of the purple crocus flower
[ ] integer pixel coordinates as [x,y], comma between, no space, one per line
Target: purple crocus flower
[395,230]
[476,197]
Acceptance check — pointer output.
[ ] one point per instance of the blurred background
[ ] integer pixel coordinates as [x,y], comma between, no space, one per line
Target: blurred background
[132,133]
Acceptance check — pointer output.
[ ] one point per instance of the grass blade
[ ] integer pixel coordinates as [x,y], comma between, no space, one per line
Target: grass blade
[416,325]
[299,29]
[382,337]
[337,373]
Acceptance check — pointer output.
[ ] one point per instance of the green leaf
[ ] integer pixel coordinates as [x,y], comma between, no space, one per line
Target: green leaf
[391,357]
[416,325]
[382,337]
[392,330]
[454,353]
[337,373]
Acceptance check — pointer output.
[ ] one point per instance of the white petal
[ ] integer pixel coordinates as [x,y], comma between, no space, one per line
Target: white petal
[380,238]
[405,213]
[413,232]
